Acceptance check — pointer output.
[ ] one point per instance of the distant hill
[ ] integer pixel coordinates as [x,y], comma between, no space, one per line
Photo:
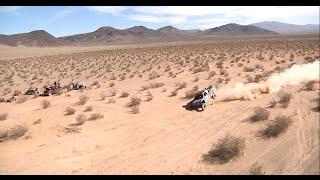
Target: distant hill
[34,38]
[284,28]
[107,34]
[236,29]
[172,31]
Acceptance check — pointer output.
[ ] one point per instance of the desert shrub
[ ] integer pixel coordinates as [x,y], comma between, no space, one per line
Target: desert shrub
[22,99]
[81,119]
[226,149]
[181,85]
[220,80]
[284,98]
[96,116]
[196,79]
[248,69]
[135,110]
[70,111]
[3,116]
[257,170]
[102,96]
[45,104]
[149,96]
[111,84]
[260,114]
[112,101]
[191,93]
[134,101]
[113,92]
[156,85]
[2,99]
[95,83]
[17,131]
[83,100]
[272,103]
[164,90]
[88,108]
[124,94]
[173,93]
[280,125]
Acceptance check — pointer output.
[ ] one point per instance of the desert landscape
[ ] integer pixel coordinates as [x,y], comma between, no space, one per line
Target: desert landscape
[170,90]
[131,117]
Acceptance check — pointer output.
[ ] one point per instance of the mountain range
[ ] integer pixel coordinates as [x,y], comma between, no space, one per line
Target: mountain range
[107,34]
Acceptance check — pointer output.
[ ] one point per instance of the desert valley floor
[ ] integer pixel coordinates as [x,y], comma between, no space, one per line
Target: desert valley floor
[156,135]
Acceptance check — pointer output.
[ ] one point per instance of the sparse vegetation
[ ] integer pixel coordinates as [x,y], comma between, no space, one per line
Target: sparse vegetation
[45,104]
[257,169]
[260,114]
[284,98]
[280,125]
[95,116]
[88,108]
[3,116]
[70,111]
[192,92]
[134,101]
[124,94]
[225,150]
[83,100]
[81,119]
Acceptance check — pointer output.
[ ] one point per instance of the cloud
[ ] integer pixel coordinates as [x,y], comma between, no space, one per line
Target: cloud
[9,9]
[206,16]
[115,10]
[156,19]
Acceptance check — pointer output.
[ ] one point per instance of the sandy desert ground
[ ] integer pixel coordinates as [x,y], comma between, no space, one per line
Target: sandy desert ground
[157,135]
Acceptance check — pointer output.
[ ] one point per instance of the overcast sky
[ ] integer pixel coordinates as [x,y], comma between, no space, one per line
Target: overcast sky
[62,21]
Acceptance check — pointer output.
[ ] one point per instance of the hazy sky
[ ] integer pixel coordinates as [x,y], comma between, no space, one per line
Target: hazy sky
[61,21]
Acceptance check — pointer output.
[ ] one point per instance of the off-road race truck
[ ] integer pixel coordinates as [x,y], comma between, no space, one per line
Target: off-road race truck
[201,98]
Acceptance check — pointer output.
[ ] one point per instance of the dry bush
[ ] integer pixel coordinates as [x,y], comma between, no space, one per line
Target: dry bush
[45,104]
[81,119]
[112,101]
[124,94]
[196,79]
[135,110]
[134,101]
[83,100]
[181,85]
[95,116]
[111,84]
[192,92]
[272,103]
[164,90]
[22,99]
[3,116]
[149,96]
[102,96]
[70,111]
[280,125]
[173,93]
[260,114]
[2,99]
[14,132]
[257,169]
[284,98]
[225,150]
[248,69]
[88,108]
[113,92]
[220,80]
[156,85]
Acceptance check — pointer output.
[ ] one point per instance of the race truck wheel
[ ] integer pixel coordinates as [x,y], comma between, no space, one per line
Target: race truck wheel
[204,106]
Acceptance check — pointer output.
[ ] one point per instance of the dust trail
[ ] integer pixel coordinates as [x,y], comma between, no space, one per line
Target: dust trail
[292,76]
